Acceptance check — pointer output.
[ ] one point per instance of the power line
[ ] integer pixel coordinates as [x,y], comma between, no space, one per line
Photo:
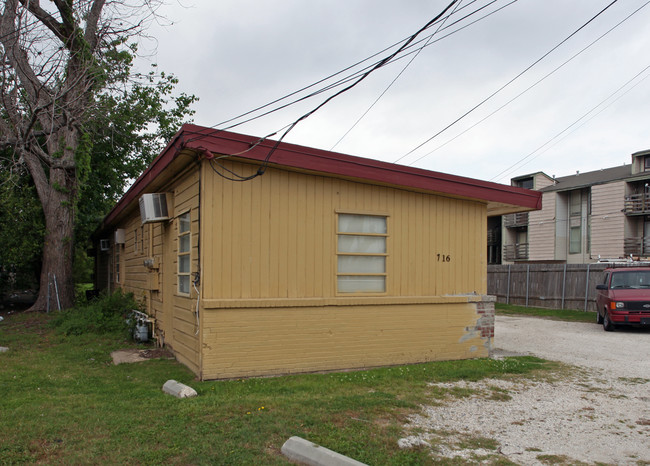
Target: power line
[506,84]
[381,63]
[417,52]
[533,85]
[516,164]
[355,75]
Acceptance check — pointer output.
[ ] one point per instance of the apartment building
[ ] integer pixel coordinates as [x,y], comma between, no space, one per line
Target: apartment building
[600,214]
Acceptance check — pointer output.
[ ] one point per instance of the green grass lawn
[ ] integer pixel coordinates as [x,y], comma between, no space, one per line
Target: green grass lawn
[557,314]
[63,401]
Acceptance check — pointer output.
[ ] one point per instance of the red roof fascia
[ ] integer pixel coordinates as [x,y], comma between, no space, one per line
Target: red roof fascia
[219,142]
[222,142]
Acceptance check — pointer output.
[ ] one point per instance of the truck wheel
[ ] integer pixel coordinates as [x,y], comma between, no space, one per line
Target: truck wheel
[608,326]
[599,318]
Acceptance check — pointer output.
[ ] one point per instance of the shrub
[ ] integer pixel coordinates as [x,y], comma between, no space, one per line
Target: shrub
[106,314]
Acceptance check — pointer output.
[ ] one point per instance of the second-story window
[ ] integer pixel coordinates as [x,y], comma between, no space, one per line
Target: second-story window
[575,222]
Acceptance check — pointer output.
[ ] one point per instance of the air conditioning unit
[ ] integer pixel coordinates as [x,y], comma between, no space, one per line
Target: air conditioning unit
[120,236]
[153,207]
[104,244]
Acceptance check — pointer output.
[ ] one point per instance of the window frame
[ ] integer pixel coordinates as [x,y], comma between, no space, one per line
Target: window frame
[184,277]
[359,254]
[117,263]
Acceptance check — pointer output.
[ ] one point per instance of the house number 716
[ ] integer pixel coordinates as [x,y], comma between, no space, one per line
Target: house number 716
[444,258]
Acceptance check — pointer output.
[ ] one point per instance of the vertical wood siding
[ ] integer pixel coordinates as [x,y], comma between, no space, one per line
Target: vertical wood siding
[275,237]
[607,220]
[157,288]
[541,230]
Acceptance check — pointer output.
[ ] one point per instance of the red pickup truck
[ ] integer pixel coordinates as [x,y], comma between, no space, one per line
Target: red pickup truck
[624,297]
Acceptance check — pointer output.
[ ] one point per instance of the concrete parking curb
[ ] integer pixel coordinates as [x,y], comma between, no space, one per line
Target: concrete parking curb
[179,390]
[306,452]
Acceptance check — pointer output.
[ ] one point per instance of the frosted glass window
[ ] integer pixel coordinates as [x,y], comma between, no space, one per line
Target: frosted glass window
[349,223]
[362,264]
[357,284]
[184,243]
[364,244]
[184,253]
[361,253]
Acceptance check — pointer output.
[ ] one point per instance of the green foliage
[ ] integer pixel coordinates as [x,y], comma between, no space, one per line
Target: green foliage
[128,131]
[107,314]
[22,229]
[73,406]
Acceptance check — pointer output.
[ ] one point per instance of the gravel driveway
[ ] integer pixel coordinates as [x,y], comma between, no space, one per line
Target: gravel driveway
[599,413]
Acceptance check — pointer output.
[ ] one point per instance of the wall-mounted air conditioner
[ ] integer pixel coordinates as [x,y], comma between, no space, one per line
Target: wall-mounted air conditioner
[120,236]
[154,207]
[104,244]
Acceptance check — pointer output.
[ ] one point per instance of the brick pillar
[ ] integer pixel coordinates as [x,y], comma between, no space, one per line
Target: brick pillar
[485,324]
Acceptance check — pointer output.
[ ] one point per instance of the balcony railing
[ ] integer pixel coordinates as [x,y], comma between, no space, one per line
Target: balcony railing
[636,246]
[637,204]
[494,236]
[514,252]
[516,220]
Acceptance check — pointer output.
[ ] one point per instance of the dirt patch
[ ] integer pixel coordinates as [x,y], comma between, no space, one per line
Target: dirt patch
[596,412]
[138,355]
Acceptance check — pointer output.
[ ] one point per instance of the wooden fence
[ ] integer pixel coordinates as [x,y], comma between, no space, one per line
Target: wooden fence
[555,286]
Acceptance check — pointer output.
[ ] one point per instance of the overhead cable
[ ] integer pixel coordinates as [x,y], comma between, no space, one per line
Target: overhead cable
[417,52]
[519,164]
[380,64]
[531,86]
[354,75]
[506,84]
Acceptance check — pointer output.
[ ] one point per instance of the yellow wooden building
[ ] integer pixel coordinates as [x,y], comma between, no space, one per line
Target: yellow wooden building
[255,258]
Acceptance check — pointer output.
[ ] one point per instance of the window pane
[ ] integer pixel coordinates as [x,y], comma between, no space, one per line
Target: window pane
[184,263]
[349,223]
[363,244]
[574,240]
[352,284]
[362,264]
[184,243]
[184,223]
[575,203]
[184,284]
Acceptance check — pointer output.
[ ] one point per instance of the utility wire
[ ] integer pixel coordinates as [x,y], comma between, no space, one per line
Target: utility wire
[327,78]
[380,64]
[395,79]
[417,52]
[506,84]
[532,86]
[352,76]
[518,164]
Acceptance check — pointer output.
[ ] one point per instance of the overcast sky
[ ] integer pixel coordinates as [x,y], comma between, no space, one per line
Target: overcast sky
[236,55]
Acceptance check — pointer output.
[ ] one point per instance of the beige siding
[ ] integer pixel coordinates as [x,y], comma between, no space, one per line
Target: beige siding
[541,230]
[275,237]
[607,220]
[261,341]
[156,287]
[542,181]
